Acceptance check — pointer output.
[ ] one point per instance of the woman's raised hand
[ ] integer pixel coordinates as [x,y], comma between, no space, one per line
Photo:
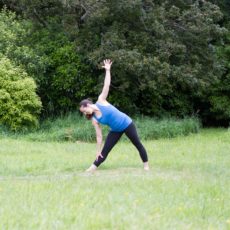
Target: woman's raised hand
[107,64]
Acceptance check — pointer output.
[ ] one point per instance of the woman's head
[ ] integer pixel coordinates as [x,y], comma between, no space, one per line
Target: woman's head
[86,109]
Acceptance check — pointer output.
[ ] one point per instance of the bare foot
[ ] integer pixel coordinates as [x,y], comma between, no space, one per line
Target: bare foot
[146,166]
[92,168]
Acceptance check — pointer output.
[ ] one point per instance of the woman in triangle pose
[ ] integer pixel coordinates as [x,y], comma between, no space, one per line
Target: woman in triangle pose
[102,112]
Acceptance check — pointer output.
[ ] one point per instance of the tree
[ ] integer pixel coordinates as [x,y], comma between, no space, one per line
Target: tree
[219,94]
[15,42]
[164,58]
[47,55]
[65,79]
[169,56]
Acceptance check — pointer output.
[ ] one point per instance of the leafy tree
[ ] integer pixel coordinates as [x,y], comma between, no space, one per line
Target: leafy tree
[41,12]
[15,43]
[50,14]
[65,79]
[170,57]
[219,93]
[50,58]
[19,104]
[164,54]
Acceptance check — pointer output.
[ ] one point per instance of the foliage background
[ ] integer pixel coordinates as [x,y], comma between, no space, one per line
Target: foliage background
[171,58]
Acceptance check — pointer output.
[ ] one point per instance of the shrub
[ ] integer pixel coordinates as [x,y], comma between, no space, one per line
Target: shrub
[19,104]
[73,127]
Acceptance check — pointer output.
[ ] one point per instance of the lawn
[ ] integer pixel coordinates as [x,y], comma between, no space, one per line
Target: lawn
[43,185]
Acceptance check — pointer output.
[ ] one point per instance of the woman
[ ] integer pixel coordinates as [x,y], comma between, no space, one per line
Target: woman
[104,113]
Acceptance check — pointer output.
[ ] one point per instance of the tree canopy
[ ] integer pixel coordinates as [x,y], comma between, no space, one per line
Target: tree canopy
[171,58]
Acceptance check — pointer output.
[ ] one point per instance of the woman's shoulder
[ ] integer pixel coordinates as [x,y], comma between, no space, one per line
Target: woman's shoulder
[102,102]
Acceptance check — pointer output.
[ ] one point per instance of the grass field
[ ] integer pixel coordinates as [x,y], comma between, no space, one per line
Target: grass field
[43,185]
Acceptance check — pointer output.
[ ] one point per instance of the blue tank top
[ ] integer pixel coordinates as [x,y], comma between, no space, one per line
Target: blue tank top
[112,117]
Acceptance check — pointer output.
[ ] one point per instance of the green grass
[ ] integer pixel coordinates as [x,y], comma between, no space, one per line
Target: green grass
[44,186]
[73,127]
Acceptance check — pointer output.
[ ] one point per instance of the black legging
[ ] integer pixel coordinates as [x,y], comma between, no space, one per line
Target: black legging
[113,138]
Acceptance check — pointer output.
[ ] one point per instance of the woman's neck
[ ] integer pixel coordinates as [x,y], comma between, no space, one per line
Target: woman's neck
[96,111]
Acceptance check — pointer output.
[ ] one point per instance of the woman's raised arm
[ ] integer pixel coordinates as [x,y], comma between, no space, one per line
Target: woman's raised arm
[105,91]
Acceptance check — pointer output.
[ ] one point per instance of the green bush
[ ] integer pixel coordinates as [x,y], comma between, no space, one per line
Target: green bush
[19,104]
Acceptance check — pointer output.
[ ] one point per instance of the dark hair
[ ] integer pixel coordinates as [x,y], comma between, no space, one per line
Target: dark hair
[84,104]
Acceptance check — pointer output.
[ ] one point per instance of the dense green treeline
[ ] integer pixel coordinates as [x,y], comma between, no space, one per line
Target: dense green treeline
[171,58]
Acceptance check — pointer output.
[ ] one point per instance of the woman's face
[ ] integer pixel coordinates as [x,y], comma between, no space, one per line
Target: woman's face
[86,110]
